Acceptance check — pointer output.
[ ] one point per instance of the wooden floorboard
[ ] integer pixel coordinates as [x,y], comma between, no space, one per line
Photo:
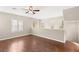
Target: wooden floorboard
[31,43]
[70,46]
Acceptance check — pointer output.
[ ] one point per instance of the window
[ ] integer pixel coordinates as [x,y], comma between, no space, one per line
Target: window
[17,25]
[14,25]
[20,24]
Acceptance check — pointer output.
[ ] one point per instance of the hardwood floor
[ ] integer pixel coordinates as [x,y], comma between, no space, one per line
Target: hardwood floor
[31,43]
[71,47]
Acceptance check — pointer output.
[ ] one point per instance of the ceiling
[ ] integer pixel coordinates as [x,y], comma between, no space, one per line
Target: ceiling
[44,13]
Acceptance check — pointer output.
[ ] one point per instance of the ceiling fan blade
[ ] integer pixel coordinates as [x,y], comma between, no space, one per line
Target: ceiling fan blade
[36,10]
[27,11]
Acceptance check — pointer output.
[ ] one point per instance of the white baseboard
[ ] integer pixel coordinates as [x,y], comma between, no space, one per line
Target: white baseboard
[14,37]
[48,38]
[32,34]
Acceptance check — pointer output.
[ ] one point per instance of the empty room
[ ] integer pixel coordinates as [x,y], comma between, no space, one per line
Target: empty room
[39,28]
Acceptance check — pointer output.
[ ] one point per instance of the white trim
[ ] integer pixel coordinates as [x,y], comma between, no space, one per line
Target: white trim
[77,21]
[75,43]
[48,38]
[32,34]
[13,37]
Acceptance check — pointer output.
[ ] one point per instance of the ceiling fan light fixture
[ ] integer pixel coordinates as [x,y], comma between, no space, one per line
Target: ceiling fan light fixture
[30,10]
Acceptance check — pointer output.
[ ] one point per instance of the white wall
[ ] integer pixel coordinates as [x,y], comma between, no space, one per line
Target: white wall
[5,25]
[54,22]
[71,13]
[78,31]
[57,35]
[71,24]
[54,34]
[71,30]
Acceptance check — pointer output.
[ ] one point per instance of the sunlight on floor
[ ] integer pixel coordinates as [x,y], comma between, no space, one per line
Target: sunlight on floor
[16,46]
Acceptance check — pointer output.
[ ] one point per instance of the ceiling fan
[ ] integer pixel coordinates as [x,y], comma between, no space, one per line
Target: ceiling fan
[31,10]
